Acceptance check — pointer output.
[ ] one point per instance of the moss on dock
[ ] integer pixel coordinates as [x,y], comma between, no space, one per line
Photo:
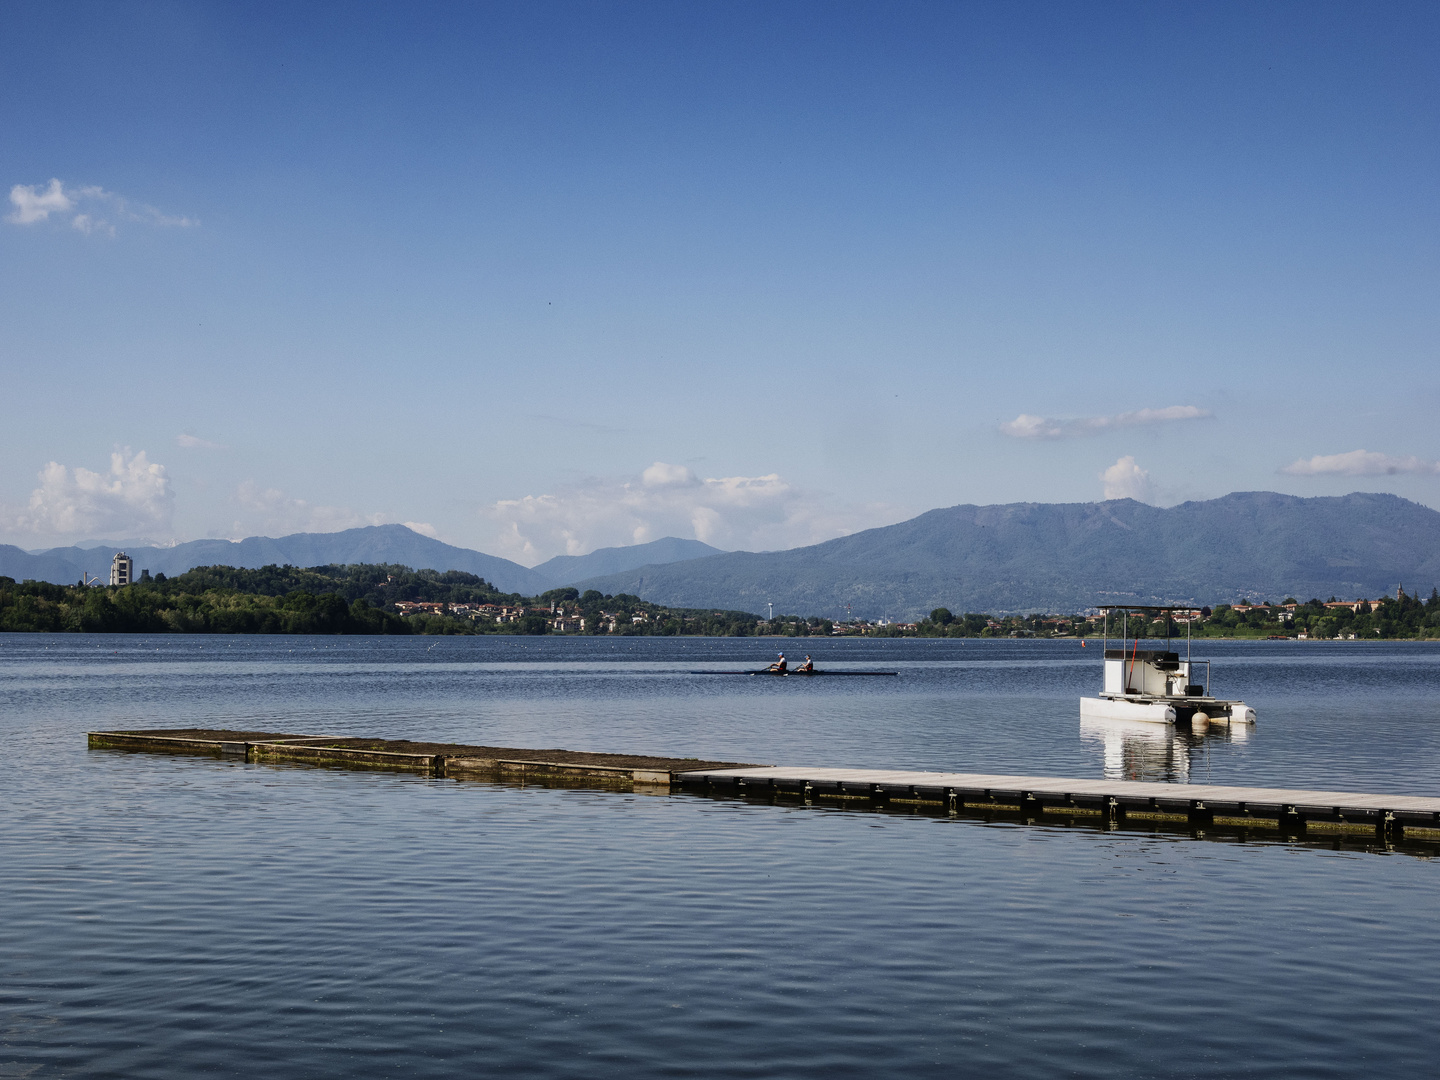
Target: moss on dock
[359,752]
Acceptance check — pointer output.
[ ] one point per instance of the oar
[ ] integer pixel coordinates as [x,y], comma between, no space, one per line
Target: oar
[767,671]
[762,671]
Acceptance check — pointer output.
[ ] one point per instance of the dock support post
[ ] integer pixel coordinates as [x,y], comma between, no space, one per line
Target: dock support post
[1386,827]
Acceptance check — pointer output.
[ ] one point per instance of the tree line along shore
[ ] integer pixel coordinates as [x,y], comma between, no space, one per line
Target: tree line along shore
[392,599]
[1387,618]
[351,599]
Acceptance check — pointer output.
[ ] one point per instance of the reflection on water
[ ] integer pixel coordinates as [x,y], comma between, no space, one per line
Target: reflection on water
[1134,750]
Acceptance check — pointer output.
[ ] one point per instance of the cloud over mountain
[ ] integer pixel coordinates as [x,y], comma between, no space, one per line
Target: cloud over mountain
[1359,463]
[271,511]
[1126,480]
[1026,426]
[135,495]
[757,512]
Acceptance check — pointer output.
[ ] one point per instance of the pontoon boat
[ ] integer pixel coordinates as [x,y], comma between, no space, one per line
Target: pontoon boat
[1155,685]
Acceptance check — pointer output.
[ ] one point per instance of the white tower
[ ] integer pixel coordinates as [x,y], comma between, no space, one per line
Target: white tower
[122,569]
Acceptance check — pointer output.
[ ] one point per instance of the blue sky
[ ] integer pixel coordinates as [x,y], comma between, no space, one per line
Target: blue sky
[545,277]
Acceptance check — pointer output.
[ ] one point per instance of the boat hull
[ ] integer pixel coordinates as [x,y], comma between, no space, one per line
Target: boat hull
[1152,712]
[1167,711]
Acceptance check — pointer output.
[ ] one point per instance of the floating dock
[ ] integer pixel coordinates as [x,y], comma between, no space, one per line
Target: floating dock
[431,759]
[1107,803]
[1290,810]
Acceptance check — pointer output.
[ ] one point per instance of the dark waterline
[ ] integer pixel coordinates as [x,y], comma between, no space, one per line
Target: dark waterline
[168,917]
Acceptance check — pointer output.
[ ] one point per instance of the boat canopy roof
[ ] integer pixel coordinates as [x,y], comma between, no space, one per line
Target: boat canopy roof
[1146,655]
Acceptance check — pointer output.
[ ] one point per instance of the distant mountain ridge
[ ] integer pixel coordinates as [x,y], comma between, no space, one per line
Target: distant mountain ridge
[1007,558]
[370,544]
[1069,556]
[568,569]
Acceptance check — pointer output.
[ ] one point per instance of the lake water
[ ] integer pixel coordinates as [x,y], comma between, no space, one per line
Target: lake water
[173,917]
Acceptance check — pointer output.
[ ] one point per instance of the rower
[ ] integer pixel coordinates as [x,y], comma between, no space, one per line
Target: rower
[779,667]
[808,666]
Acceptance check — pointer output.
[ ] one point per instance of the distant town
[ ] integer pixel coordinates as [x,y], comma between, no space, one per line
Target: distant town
[392,599]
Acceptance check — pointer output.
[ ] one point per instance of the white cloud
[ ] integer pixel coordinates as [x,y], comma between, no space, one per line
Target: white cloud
[135,495]
[32,205]
[1026,426]
[750,512]
[1359,463]
[101,208]
[86,224]
[662,475]
[1126,480]
[194,442]
[424,528]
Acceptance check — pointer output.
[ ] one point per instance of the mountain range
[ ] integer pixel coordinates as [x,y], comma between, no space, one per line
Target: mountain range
[371,544]
[568,569]
[1070,556]
[1007,558]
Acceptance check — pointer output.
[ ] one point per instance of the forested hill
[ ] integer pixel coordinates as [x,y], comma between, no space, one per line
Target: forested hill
[377,584]
[354,599]
[1069,556]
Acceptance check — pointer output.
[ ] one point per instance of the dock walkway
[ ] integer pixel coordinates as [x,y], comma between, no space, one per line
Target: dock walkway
[1293,812]
[1284,808]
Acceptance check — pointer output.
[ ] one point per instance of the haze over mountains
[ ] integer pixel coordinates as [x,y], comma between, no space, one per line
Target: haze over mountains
[1015,557]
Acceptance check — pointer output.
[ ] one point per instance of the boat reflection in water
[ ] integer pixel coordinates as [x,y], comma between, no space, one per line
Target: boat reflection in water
[1136,750]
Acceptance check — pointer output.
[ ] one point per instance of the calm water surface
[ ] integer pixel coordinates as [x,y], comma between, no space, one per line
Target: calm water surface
[174,917]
